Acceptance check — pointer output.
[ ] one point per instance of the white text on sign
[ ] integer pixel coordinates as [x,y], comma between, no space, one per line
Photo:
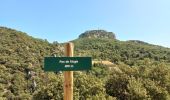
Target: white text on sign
[68,61]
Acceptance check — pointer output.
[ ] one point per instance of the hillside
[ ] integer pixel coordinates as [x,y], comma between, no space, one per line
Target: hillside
[116,51]
[98,34]
[140,70]
[20,49]
[20,53]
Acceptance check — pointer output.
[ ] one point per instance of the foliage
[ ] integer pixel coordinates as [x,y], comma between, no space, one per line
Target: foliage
[142,83]
[88,86]
[52,89]
[119,51]
[140,71]
[98,34]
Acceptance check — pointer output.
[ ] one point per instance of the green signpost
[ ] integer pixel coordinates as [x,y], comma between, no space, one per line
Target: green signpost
[67,63]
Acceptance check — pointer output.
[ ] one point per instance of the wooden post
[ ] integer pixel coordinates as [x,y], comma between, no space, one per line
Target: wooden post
[68,75]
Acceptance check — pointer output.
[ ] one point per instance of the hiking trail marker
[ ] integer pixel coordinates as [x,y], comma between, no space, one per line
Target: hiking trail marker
[67,64]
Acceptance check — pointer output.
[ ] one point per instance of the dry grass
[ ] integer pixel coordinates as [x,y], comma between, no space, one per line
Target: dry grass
[105,62]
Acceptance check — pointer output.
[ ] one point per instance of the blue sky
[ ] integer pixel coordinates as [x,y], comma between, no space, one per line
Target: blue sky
[64,20]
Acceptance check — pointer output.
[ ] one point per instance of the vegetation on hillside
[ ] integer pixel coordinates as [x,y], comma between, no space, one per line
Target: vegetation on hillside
[119,51]
[98,34]
[140,71]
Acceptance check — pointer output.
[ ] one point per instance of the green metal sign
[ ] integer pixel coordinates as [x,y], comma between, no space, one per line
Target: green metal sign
[67,63]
